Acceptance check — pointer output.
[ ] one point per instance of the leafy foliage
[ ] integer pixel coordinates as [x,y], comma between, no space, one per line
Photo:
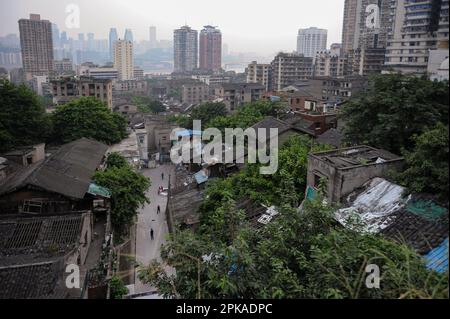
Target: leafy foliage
[215,115]
[118,288]
[23,120]
[298,255]
[208,111]
[393,109]
[427,165]
[88,117]
[246,116]
[286,186]
[146,104]
[116,160]
[128,190]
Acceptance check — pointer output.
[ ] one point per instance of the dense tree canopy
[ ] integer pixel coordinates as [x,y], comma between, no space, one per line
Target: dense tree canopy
[146,104]
[427,165]
[128,191]
[207,111]
[215,115]
[298,255]
[115,160]
[118,288]
[23,120]
[393,109]
[87,117]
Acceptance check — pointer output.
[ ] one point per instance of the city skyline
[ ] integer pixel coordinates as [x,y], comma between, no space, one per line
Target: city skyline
[258,36]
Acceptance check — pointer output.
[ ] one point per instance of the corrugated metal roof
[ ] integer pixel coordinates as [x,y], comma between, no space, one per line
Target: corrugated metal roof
[375,205]
[437,259]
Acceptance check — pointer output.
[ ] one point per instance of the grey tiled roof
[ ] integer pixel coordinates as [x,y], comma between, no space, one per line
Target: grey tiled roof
[417,232]
[33,252]
[331,137]
[68,172]
[33,281]
[26,240]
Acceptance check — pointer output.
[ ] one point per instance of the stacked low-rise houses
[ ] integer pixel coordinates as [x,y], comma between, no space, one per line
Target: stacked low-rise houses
[234,95]
[289,68]
[53,216]
[259,73]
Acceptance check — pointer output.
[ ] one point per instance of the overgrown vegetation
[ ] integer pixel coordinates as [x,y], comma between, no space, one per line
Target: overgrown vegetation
[406,115]
[216,115]
[118,288]
[427,164]
[146,104]
[87,117]
[394,109]
[298,255]
[128,190]
[23,120]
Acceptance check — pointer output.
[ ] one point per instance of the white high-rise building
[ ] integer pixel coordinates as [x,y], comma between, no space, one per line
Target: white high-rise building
[311,40]
[123,59]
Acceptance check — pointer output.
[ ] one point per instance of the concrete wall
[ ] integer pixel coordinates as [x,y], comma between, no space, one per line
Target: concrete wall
[349,180]
[342,182]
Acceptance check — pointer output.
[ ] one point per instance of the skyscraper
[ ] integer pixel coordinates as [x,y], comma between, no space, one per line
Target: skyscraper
[113,37]
[349,25]
[152,37]
[128,35]
[64,38]
[185,49]
[367,25]
[90,42]
[418,28]
[37,46]
[311,40]
[55,36]
[123,59]
[210,49]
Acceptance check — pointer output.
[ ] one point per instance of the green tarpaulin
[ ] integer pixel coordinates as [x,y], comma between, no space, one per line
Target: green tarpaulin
[96,190]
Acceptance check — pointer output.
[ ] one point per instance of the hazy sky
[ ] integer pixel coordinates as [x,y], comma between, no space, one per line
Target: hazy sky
[263,26]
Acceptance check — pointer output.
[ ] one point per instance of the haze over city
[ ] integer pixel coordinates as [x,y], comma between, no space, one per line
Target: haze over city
[275,29]
[224,149]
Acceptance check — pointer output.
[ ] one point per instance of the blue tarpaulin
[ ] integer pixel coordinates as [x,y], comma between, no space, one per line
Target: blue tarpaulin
[185,133]
[437,259]
[201,177]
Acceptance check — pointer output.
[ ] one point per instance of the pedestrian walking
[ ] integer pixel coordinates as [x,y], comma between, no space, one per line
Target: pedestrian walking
[152,234]
[162,176]
[158,210]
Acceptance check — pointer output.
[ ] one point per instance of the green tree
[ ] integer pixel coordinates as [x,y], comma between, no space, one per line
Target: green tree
[88,117]
[427,164]
[23,120]
[207,111]
[393,109]
[146,104]
[118,288]
[303,254]
[116,160]
[128,190]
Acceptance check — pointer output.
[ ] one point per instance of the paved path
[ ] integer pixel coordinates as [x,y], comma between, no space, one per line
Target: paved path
[147,249]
